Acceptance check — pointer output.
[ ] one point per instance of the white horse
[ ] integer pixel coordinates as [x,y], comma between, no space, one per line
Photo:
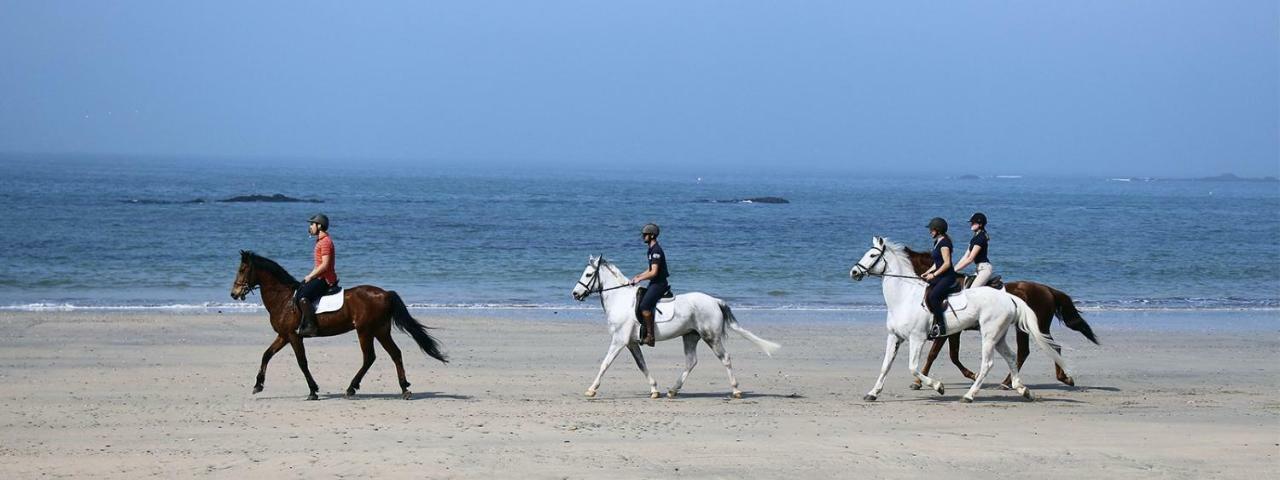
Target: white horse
[693,316]
[991,310]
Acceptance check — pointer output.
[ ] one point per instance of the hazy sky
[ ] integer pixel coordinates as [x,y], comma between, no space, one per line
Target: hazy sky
[1096,87]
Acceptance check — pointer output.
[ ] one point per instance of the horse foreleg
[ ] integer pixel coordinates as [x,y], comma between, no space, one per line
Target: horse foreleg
[266,357]
[928,361]
[690,360]
[614,348]
[1003,349]
[635,353]
[717,346]
[366,348]
[890,351]
[393,351]
[954,341]
[916,346]
[301,352]
[988,347]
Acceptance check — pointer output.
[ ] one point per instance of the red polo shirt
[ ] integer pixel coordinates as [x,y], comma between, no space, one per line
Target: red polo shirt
[324,246]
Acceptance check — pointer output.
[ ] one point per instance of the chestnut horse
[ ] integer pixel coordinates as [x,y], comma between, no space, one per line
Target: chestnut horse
[368,310]
[1046,301]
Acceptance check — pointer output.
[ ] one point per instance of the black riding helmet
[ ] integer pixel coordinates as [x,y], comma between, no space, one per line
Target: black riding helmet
[979,219]
[937,223]
[649,229]
[320,219]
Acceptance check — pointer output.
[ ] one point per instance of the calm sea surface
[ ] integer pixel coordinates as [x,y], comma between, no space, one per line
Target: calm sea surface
[109,234]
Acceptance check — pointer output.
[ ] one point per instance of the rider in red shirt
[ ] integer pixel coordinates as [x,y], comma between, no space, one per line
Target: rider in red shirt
[322,278]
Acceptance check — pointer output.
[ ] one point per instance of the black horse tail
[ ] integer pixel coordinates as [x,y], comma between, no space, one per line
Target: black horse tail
[1065,309]
[407,324]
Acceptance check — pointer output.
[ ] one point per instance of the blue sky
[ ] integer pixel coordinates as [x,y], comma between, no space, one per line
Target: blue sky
[1098,87]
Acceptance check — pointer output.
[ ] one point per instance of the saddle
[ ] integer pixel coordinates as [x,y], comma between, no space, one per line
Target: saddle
[666,297]
[332,300]
[996,281]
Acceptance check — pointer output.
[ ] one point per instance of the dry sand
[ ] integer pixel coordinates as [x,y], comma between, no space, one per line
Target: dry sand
[134,395]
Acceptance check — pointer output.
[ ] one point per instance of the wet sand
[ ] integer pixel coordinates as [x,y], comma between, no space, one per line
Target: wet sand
[134,395]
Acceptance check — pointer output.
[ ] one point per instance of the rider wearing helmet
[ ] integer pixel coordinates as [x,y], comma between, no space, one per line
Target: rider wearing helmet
[977,253]
[939,276]
[656,274]
[320,280]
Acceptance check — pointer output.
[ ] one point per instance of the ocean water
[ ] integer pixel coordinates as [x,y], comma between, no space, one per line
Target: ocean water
[119,233]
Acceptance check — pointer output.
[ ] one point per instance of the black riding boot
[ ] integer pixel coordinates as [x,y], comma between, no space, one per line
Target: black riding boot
[307,325]
[939,327]
[646,328]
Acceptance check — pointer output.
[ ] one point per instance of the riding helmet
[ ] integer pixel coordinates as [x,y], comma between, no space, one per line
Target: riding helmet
[979,219]
[320,219]
[937,223]
[650,229]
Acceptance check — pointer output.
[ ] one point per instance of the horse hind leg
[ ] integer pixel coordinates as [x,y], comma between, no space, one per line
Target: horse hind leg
[266,357]
[690,361]
[366,349]
[393,351]
[717,346]
[988,347]
[1016,381]
[913,361]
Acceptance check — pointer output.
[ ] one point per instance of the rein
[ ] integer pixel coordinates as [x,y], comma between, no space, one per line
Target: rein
[598,284]
[880,258]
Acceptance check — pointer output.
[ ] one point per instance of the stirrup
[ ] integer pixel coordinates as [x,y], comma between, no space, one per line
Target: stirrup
[935,332]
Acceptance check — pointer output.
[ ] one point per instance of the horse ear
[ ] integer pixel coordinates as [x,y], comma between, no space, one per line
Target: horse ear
[877,241]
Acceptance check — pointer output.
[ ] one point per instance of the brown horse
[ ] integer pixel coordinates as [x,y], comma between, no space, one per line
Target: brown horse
[368,310]
[1046,301]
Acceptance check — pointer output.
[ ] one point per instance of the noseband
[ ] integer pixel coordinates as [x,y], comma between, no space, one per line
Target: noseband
[880,258]
[247,288]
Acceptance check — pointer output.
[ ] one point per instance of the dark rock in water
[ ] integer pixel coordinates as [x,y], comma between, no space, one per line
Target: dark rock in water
[775,200]
[969,177]
[277,198]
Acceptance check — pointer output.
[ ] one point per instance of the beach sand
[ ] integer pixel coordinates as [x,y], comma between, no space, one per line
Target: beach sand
[135,395]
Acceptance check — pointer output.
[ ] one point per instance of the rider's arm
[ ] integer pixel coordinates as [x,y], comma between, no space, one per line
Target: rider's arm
[325,261]
[946,262]
[968,257]
[647,274]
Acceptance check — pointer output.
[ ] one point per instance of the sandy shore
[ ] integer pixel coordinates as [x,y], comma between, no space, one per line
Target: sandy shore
[131,395]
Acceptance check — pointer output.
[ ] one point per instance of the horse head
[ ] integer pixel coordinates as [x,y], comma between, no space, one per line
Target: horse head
[589,282]
[246,280]
[870,261]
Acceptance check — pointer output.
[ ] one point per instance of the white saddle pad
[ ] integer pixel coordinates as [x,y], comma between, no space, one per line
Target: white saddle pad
[331,303]
[959,301]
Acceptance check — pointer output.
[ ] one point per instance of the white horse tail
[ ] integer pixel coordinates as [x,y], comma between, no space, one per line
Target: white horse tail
[1029,323]
[765,345]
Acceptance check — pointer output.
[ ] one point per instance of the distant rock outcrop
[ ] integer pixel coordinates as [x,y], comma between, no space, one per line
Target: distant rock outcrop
[774,200]
[277,198]
[1231,177]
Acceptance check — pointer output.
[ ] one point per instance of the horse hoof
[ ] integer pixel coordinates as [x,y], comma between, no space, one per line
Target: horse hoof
[1026,393]
[1069,381]
[736,394]
[942,390]
[1005,386]
[654,395]
[407,395]
[313,396]
[868,398]
[590,393]
[671,393]
[966,400]
[351,392]
[914,386]
[257,388]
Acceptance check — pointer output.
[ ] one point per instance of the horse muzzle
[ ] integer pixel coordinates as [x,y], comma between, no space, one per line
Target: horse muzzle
[857,274]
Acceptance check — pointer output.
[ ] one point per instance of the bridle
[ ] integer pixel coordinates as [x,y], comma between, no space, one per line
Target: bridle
[866,271]
[249,275]
[595,285]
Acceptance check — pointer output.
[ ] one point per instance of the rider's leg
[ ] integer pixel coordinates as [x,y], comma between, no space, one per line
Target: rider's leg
[937,293]
[982,275]
[308,294]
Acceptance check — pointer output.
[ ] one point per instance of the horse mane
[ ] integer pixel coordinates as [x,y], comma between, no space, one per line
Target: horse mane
[920,261]
[270,266]
[612,269]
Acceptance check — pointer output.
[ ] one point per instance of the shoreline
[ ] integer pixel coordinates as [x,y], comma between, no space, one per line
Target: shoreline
[129,395]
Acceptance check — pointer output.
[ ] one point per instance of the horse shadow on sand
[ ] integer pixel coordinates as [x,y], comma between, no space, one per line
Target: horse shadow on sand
[746,395]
